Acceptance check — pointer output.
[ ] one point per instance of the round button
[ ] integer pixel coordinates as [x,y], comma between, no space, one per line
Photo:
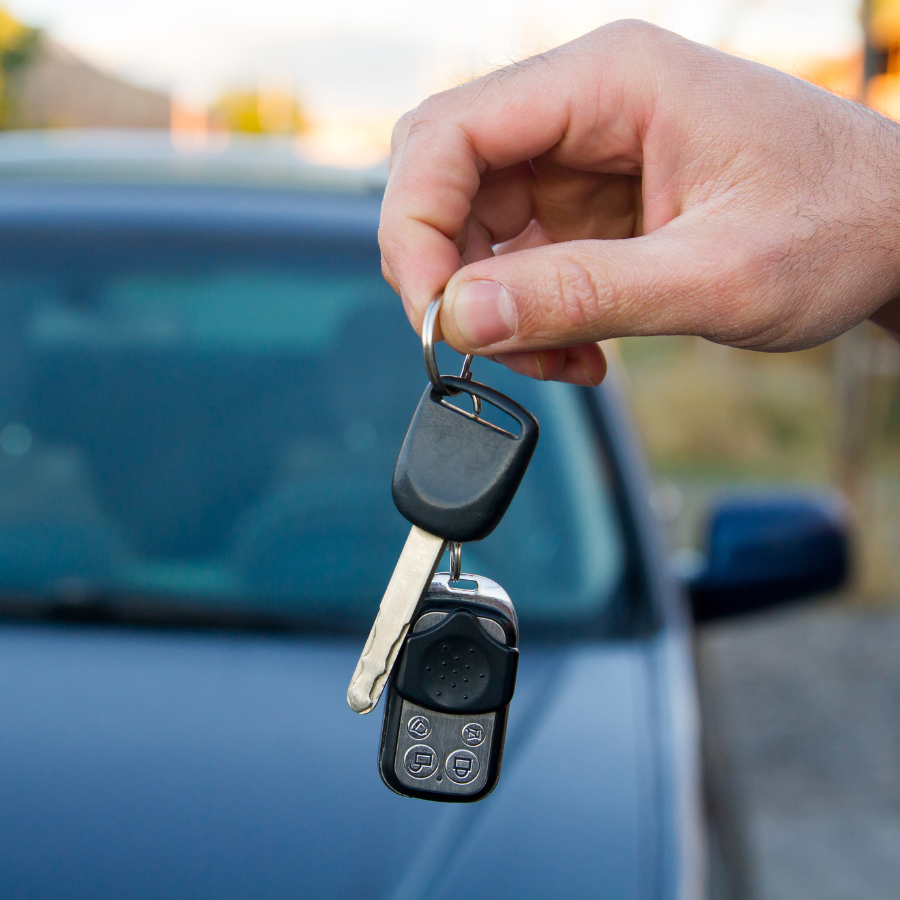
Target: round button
[473,734]
[420,761]
[418,727]
[462,766]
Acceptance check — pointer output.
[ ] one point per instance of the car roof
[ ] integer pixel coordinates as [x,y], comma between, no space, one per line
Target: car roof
[160,157]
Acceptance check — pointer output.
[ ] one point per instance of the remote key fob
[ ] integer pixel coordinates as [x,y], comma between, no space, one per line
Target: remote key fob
[448,696]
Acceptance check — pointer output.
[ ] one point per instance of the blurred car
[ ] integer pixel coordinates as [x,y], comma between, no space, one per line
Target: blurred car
[205,382]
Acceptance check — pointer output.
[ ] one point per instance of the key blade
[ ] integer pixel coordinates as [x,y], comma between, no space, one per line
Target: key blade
[412,576]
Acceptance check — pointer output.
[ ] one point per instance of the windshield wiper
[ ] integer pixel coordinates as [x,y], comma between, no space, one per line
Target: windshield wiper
[143,611]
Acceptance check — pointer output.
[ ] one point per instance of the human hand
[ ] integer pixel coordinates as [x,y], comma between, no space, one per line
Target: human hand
[634,183]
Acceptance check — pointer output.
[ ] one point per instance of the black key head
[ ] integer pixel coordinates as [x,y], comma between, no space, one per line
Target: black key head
[457,474]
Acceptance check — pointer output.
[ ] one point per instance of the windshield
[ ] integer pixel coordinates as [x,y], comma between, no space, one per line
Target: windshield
[213,423]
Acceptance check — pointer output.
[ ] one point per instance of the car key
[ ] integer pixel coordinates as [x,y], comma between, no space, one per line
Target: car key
[454,479]
[448,696]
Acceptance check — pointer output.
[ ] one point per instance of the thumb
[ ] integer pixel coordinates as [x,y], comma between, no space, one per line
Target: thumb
[571,293]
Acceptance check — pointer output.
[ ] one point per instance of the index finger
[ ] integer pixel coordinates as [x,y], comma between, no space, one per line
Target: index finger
[568,101]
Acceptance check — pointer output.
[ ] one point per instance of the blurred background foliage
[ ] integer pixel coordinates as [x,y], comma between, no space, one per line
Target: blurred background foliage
[261,111]
[18,47]
[716,420]
[725,414]
[44,85]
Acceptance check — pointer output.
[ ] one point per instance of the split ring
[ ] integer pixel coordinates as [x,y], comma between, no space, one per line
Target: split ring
[431,368]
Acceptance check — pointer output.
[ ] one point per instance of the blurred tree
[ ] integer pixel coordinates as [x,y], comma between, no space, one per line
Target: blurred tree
[882,68]
[263,111]
[18,46]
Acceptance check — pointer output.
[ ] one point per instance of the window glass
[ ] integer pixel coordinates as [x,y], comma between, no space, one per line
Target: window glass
[215,422]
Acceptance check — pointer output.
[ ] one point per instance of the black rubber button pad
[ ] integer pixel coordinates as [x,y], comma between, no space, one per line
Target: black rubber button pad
[456,667]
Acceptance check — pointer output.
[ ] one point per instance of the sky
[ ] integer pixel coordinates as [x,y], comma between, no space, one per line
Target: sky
[385,56]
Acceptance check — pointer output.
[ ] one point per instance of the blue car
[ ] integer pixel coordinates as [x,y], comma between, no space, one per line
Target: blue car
[204,383]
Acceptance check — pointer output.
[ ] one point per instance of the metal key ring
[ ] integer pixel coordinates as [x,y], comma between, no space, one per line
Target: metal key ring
[431,314]
[455,560]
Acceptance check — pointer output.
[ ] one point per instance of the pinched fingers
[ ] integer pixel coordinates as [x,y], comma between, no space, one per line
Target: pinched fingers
[584,365]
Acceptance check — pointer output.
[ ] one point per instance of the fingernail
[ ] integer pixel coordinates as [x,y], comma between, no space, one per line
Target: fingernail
[484,313]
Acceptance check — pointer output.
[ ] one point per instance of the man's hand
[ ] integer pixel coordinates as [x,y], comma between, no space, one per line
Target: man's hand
[632,182]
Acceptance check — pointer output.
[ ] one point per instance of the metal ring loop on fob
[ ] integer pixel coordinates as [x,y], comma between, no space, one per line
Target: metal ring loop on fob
[455,560]
[476,401]
[431,367]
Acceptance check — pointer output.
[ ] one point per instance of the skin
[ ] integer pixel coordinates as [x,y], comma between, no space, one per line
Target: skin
[635,183]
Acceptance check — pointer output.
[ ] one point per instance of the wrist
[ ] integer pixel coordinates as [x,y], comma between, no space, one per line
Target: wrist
[887,315]
[879,216]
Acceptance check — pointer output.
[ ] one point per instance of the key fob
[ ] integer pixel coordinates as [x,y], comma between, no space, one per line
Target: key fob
[457,474]
[448,695]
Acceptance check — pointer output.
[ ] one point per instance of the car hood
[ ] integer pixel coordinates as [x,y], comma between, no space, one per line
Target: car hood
[176,764]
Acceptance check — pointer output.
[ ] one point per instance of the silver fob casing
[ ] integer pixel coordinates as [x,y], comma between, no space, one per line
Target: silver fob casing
[446,756]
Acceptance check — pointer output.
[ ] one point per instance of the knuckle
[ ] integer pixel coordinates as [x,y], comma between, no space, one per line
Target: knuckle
[428,111]
[402,125]
[754,306]
[388,274]
[401,129]
[385,242]
[633,31]
[391,246]
[576,294]
[410,123]
[634,38]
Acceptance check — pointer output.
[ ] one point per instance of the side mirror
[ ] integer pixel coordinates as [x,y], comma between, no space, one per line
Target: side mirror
[766,550]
